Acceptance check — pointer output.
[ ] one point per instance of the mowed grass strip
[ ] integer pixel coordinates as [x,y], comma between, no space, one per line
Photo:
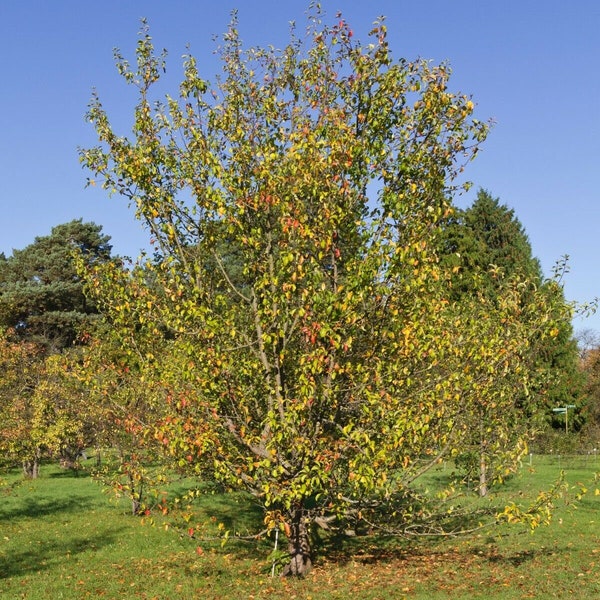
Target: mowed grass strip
[60,537]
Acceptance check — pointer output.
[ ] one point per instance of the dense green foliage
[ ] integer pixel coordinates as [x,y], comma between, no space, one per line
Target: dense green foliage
[41,294]
[488,248]
[44,317]
[489,244]
[591,368]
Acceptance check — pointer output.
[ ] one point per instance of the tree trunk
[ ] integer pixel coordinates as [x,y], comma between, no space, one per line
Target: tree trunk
[69,459]
[298,546]
[483,479]
[31,467]
[136,496]
[483,466]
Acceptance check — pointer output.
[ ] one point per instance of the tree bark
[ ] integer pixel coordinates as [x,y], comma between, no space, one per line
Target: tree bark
[136,496]
[483,466]
[298,546]
[483,479]
[31,467]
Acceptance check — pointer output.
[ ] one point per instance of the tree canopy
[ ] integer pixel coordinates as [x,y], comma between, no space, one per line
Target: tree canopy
[44,315]
[41,294]
[486,247]
[296,322]
[489,243]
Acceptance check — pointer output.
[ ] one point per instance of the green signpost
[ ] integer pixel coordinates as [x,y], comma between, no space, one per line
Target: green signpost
[564,410]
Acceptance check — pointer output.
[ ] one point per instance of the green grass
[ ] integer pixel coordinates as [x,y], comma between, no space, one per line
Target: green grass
[60,537]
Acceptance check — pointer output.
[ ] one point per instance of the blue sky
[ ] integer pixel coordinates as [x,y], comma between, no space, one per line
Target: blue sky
[532,66]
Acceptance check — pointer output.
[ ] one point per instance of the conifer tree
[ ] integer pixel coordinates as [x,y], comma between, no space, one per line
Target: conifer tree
[41,295]
[489,252]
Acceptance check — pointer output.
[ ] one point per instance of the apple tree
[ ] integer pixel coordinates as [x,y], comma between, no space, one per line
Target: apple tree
[311,353]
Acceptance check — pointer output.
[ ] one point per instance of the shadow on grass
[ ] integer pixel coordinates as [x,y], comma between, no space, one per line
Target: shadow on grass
[522,557]
[364,549]
[45,553]
[237,512]
[468,485]
[33,507]
[69,473]
[370,544]
[438,556]
[243,519]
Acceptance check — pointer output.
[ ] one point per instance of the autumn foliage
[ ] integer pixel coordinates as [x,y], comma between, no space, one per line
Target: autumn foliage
[295,325]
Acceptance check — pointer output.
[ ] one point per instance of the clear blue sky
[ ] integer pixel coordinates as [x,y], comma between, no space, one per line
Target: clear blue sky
[530,65]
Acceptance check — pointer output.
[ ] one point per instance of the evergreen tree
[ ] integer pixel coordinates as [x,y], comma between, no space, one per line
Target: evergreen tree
[488,243]
[560,356]
[41,295]
[488,248]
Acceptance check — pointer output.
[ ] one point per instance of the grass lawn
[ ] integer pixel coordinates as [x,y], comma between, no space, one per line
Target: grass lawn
[60,537]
